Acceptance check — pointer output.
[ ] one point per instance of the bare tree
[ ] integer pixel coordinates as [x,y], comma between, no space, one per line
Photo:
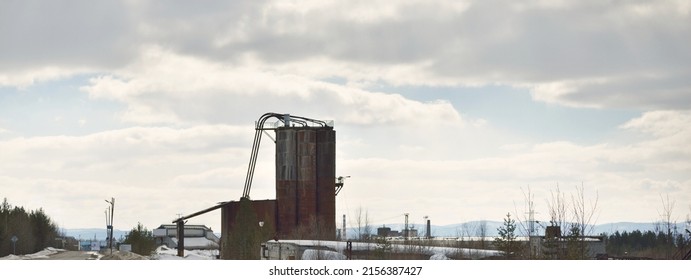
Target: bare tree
[688,226]
[668,223]
[576,226]
[524,223]
[362,224]
[527,224]
[557,205]
[463,239]
[583,218]
[467,230]
[481,232]
[688,222]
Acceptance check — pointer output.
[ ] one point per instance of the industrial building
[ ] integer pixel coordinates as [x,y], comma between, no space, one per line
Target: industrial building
[553,245]
[305,204]
[196,237]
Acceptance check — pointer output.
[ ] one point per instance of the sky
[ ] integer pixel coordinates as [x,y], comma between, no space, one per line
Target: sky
[453,110]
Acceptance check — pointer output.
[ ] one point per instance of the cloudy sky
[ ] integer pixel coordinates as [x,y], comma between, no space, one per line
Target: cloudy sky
[446,109]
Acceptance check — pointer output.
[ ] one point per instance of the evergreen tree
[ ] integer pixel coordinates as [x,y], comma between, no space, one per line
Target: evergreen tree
[575,249]
[141,239]
[383,249]
[506,242]
[4,228]
[34,230]
[44,231]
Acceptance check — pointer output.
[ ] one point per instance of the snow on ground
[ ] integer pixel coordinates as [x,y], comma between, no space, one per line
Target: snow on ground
[438,256]
[340,247]
[312,254]
[165,253]
[197,242]
[161,253]
[38,255]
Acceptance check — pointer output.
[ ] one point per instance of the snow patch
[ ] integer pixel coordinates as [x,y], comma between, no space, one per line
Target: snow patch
[165,253]
[312,254]
[35,256]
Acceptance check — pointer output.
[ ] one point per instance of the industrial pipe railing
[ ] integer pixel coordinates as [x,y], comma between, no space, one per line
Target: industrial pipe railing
[287,121]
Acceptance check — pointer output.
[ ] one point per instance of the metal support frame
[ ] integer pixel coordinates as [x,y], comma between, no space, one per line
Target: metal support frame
[109,222]
[287,120]
[340,180]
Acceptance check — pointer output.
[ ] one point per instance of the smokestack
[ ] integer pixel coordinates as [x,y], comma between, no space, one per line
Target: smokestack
[429,229]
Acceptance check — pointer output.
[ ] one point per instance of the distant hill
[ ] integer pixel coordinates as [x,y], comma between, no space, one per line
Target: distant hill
[625,226]
[453,230]
[94,233]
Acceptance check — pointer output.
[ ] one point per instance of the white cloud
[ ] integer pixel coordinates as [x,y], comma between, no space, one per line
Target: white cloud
[634,172]
[126,155]
[458,190]
[201,74]
[80,203]
[23,79]
[666,147]
[56,40]
[150,171]
[146,168]
[170,88]
[662,123]
[590,53]
[214,178]
[602,54]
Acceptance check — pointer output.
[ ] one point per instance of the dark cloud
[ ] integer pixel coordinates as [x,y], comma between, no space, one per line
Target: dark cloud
[519,43]
[87,34]
[643,92]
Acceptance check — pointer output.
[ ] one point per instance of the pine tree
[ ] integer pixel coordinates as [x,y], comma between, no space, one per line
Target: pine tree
[44,230]
[575,246]
[34,230]
[383,249]
[506,242]
[141,239]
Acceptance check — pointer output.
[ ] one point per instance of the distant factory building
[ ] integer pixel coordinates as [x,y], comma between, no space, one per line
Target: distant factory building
[554,246]
[196,237]
[384,232]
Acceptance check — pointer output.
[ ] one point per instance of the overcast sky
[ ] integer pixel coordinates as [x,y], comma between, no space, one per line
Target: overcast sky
[447,109]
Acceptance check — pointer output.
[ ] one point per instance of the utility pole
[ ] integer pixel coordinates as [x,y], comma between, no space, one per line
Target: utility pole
[109,223]
[180,225]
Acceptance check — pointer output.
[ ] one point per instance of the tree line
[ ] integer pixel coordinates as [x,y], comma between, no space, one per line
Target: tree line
[33,230]
[647,244]
[572,223]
